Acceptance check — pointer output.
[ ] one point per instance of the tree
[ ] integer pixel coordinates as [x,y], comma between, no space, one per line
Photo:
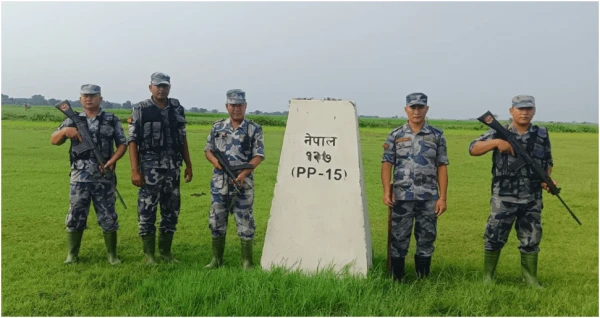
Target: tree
[257,112]
[38,100]
[203,110]
[194,109]
[53,101]
[127,105]
[214,111]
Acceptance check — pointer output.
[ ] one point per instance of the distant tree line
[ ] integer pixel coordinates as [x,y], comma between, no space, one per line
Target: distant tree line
[40,100]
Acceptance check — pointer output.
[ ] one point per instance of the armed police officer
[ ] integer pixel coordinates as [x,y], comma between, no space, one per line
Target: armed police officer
[416,151]
[516,193]
[242,142]
[87,182]
[157,148]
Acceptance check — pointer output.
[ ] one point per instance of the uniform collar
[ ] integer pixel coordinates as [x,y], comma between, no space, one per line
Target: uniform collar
[425,129]
[167,106]
[512,129]
[100,111]
[242,124]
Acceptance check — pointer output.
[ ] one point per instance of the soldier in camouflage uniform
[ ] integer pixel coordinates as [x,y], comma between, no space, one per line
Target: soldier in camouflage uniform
[157,147]
[417,153]
[87,183]
[242,142]
[516,193]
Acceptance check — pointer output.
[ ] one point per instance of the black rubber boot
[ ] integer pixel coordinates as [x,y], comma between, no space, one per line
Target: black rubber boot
[398,268]
[422,266]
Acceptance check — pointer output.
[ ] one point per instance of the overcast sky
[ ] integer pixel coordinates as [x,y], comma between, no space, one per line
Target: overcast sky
[468,57]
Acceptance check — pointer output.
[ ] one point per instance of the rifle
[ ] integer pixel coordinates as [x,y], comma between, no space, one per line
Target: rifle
[87,142]
[229,170]
[523,157]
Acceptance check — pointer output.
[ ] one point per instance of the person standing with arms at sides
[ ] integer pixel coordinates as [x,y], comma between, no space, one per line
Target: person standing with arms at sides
[87,181]
[516,193]
[157,147]
[416,153]
[241,141]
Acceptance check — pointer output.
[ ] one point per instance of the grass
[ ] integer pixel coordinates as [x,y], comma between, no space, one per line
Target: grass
[36,283]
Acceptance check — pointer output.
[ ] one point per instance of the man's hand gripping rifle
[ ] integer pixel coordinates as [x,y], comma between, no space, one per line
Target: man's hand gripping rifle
[87,143]
[231,171]
[523,157]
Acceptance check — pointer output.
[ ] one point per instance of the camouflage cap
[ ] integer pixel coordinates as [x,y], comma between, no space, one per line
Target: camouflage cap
[521,101]
[236,96]
[158,78]
[416,99]
[89,89]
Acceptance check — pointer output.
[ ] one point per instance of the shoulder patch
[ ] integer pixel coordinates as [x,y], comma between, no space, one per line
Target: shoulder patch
[129,120]
[386,146]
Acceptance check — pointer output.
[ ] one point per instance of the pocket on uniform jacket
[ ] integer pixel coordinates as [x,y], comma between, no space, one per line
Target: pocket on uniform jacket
[156,133]
[181,124]
[508,187]
[538,151]
[403,148]
[430,150]
[403,183]
[106,130]
[221,141]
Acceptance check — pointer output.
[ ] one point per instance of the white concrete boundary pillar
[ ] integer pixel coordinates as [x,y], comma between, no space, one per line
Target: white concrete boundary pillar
[319,217]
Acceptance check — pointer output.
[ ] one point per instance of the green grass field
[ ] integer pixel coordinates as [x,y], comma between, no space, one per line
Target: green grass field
[35,282]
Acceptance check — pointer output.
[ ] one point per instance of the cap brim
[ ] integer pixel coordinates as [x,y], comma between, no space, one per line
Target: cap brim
[160,83]
[415,103]
[235,101]
[86,92]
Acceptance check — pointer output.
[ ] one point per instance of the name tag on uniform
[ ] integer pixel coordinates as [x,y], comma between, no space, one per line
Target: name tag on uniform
[403,139]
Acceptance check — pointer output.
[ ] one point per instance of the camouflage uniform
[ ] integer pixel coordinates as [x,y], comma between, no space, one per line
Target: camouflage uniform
[517,195]
[87,183]
[239,146]
[159,135]
[415,158]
